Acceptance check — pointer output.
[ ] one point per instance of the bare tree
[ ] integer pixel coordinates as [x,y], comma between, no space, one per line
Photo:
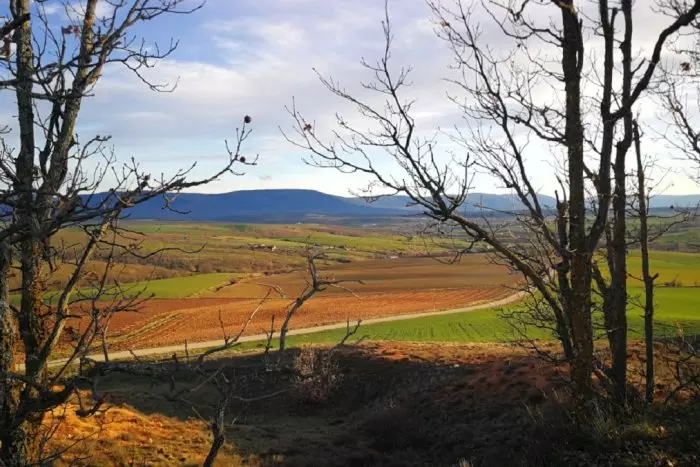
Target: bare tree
[315,283]
[678,94]
[49,183]
[643,236]
[646,273]
[541,83]
[208,372]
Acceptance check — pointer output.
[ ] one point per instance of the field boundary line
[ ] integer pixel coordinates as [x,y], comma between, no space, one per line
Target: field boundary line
[127,354]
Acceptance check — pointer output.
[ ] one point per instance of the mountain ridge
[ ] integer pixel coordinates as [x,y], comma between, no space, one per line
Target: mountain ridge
[287,205]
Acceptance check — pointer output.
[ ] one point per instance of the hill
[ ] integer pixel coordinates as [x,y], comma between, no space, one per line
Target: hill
[495,202]
[679,201]
[293,205]
[256,206]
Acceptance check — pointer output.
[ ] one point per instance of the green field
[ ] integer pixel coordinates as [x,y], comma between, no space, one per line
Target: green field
[475,326]
[676,308]
[670,265]
[174,287]
[181,287]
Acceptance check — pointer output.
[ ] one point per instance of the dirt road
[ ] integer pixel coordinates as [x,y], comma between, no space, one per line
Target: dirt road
[166,350]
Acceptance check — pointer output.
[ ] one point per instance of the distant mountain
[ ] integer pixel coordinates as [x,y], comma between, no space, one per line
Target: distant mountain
[255,205]
[511,203]
[291,205]
[678,201]
[473,203]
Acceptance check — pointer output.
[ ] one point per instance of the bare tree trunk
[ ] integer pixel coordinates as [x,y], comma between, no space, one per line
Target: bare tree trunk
[293,310]
[105,349]
[218,430]
[12,450]
[580,305]
[283,335]
[20,440]
[646,274]
[20,444]
[563,269]
[8,330]
[103,339]
[616,312]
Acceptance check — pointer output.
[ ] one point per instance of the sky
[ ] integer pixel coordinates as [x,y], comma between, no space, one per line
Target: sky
[253,57]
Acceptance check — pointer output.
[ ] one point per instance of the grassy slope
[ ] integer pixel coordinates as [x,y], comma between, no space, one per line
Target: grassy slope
[180,287]
[174,287]
[670,265]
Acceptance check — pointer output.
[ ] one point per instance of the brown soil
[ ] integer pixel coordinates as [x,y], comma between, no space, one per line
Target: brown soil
[165,322]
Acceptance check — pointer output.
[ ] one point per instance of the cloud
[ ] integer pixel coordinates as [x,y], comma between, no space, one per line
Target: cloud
[255,63]
[51,8]
[252,58]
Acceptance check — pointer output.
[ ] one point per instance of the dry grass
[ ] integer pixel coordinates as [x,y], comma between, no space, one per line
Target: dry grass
[389,404]
[123,436]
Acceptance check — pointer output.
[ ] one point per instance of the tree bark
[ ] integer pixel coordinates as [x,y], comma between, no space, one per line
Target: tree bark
[11,444]
[20,443]
[218,431]
[646,274]
[580,304]
[616,313]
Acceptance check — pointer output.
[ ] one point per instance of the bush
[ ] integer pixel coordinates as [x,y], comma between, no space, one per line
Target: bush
[674,283]
[317,374]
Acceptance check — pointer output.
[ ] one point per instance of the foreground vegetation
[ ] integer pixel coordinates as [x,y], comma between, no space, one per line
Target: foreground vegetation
[381,404]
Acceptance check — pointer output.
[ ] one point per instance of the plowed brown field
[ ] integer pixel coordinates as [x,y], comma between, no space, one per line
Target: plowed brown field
[384,275]
[164,323]
[390,287]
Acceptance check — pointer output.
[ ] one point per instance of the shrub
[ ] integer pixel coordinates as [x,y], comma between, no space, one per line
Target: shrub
[673,283]
[317,374]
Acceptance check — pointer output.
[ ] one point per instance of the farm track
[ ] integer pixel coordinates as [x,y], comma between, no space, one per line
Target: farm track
[168,349]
